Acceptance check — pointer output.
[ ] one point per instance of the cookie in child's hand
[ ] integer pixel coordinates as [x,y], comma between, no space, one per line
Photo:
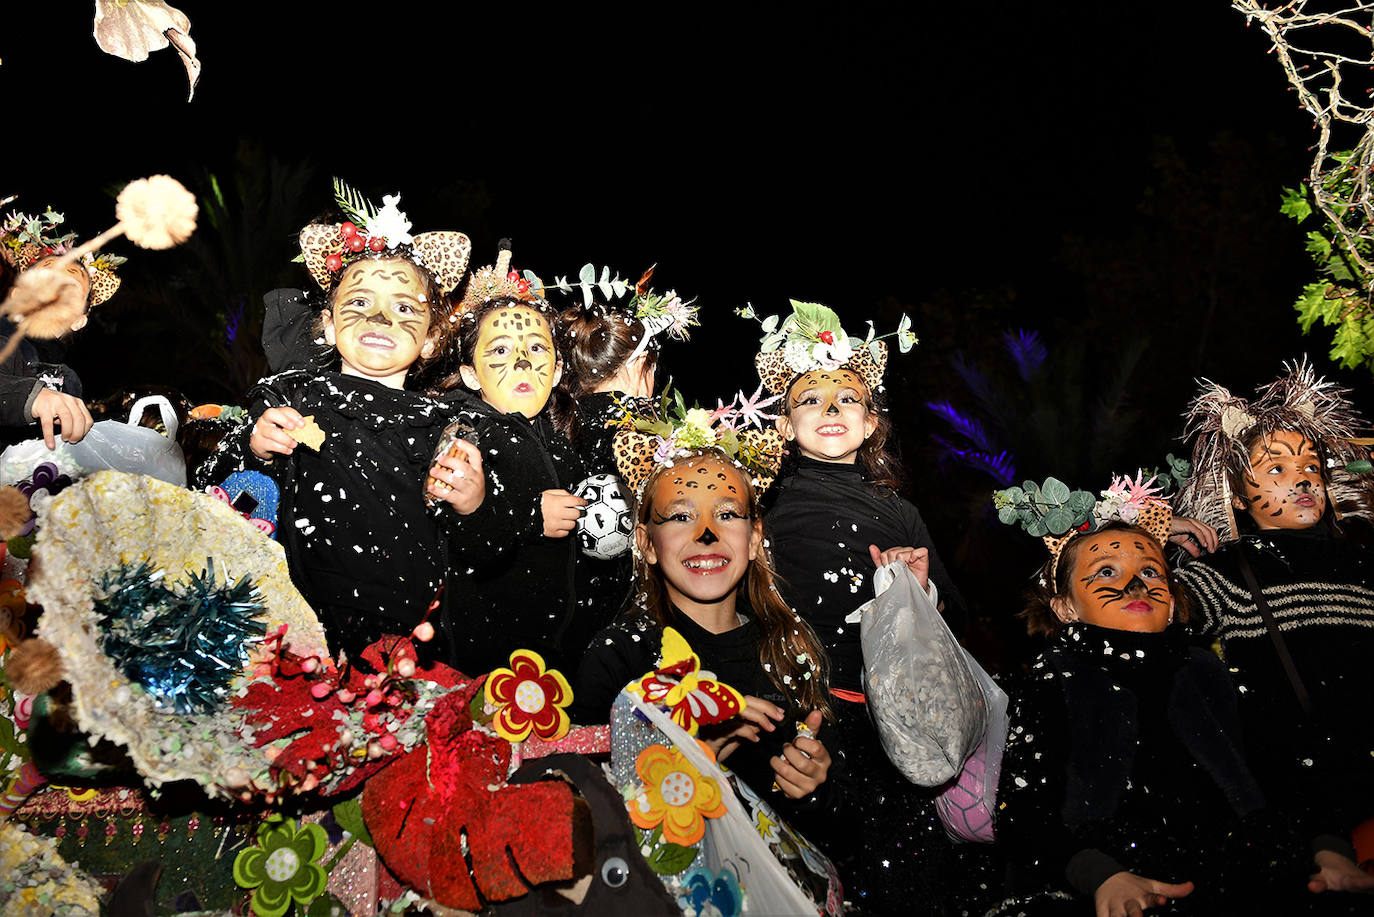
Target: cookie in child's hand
[309,435]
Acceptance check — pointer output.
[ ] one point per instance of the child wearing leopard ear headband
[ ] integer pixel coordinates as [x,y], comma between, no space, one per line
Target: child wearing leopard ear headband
[351,450]
[834,519]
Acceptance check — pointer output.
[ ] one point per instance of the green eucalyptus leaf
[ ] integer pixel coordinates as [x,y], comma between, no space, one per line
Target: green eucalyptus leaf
[1059,520]
[1360,466]
[1055,491]
[587,275]
[770,324]
[1007,515]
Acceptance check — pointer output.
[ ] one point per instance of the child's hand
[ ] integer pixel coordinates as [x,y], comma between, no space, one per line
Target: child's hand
[804,762]
[1194,536]
[1338,873]
[917,561]
[50,404]
[1126,894]
[561,510]
[757,716]
[458,479]
[269,432]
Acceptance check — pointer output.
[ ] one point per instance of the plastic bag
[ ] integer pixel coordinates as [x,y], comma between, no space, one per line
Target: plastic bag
[968,804]
[925,702]
[111,445]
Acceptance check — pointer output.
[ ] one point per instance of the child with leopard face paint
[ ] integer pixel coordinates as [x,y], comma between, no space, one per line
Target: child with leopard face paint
[1273,475]
[835,518]
[513,579]
[361,544]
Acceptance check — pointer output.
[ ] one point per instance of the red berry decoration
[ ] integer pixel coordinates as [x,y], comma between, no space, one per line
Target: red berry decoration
[355,243]
[348,229]
[334,262]
[377,243]
[513,276]
[827,337]
[523,286]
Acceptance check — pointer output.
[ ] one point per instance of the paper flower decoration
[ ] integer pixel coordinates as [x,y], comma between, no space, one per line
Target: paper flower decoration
[529,698]
[281,867]
[675,795]
[691,695]
[13,612]
[132,29]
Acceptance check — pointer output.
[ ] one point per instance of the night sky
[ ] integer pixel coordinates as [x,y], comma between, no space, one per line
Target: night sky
[1100,173]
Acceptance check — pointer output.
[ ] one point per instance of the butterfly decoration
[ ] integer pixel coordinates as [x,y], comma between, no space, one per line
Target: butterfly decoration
[692,695]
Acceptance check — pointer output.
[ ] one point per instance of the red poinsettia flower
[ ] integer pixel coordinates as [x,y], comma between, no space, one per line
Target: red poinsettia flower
[530,699]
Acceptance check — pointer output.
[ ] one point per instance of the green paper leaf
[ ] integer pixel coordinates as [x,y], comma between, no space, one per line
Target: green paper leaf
[670,859]
[349,815]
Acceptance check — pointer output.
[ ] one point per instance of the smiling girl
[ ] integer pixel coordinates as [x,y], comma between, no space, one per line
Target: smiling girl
[361,544]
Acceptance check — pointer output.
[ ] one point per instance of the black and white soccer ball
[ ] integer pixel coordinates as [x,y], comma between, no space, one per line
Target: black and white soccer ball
[606,529]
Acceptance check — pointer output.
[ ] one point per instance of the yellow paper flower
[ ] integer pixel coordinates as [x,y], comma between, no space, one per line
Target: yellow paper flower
[530,699]
[675,795]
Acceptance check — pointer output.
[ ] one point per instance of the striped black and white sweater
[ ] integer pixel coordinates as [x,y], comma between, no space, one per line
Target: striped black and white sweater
[1320,590]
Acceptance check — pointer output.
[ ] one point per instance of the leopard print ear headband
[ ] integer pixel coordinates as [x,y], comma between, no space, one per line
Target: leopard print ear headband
[638,455]
[445,255]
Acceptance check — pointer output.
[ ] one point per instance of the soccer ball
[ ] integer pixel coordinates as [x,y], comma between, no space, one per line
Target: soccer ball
[607,527]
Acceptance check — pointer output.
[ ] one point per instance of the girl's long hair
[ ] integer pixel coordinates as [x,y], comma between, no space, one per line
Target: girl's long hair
[784,637]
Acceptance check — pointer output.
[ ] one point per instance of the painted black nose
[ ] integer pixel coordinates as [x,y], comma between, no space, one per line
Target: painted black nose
[1135,585]
[707,536]
[833,409]
[1303,485]
[523,363]
[378,318]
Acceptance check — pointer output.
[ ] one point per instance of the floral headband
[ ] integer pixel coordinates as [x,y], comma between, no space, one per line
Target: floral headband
[326,248]
[1221,424]
[648,441]
[811,338]
[24,239]
[657,313]
[1054,513]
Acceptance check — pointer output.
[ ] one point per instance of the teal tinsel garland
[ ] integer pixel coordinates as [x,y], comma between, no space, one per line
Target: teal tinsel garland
[183,642]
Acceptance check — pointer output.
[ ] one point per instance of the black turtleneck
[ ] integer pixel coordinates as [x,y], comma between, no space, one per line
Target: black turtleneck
[822,520]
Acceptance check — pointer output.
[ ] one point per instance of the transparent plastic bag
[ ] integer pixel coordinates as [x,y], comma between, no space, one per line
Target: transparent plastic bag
[111,445]
[968,804]
[922,694]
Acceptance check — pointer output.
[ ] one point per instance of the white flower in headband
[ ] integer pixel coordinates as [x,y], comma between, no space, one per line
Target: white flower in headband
[390,223]
[832,351]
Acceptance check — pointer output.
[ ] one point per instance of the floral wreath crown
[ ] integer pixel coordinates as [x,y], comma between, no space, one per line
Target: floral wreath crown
[327,248]
[1056,514]
[1221,425]
[657,313]
[811,338]
[672,431]
[24,239]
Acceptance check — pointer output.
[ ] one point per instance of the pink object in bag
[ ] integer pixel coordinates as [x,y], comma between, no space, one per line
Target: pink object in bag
[968,804]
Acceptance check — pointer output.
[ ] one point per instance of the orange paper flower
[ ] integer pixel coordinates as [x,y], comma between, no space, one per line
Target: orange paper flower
[675,794]
[529,698]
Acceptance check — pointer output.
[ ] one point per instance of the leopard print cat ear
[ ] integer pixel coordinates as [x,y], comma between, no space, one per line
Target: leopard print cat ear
[446,255]
[634,457]
[103,286]
[318,242]
[766,448]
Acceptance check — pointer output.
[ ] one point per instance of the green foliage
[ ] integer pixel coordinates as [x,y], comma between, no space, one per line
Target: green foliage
[1342,299]
[1044,509]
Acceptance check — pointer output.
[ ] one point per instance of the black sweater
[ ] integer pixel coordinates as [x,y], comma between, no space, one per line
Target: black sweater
[512,588]
[33,366]
[1124,754]
[1320,589]
[362,547]
[820,525]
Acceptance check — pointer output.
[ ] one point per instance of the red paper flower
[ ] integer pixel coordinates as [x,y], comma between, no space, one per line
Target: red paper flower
[419,810]
[692,695]
[530,699]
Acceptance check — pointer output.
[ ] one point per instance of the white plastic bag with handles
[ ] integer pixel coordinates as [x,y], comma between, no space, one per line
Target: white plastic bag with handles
[111,445]
[925,701]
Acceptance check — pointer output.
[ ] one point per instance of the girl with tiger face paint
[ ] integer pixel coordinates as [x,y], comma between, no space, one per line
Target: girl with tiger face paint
[1283,488]
[1118,580]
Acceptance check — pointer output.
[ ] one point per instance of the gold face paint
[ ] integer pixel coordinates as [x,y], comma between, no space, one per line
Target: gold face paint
[515,365]
[380,320]
[699,534]
[1284,489]
[75,270]
[1120,580]
[827,414]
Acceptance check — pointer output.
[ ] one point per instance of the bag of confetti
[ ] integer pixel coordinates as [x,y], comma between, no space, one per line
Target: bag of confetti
[110,445]
[924,699]
[967,805]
